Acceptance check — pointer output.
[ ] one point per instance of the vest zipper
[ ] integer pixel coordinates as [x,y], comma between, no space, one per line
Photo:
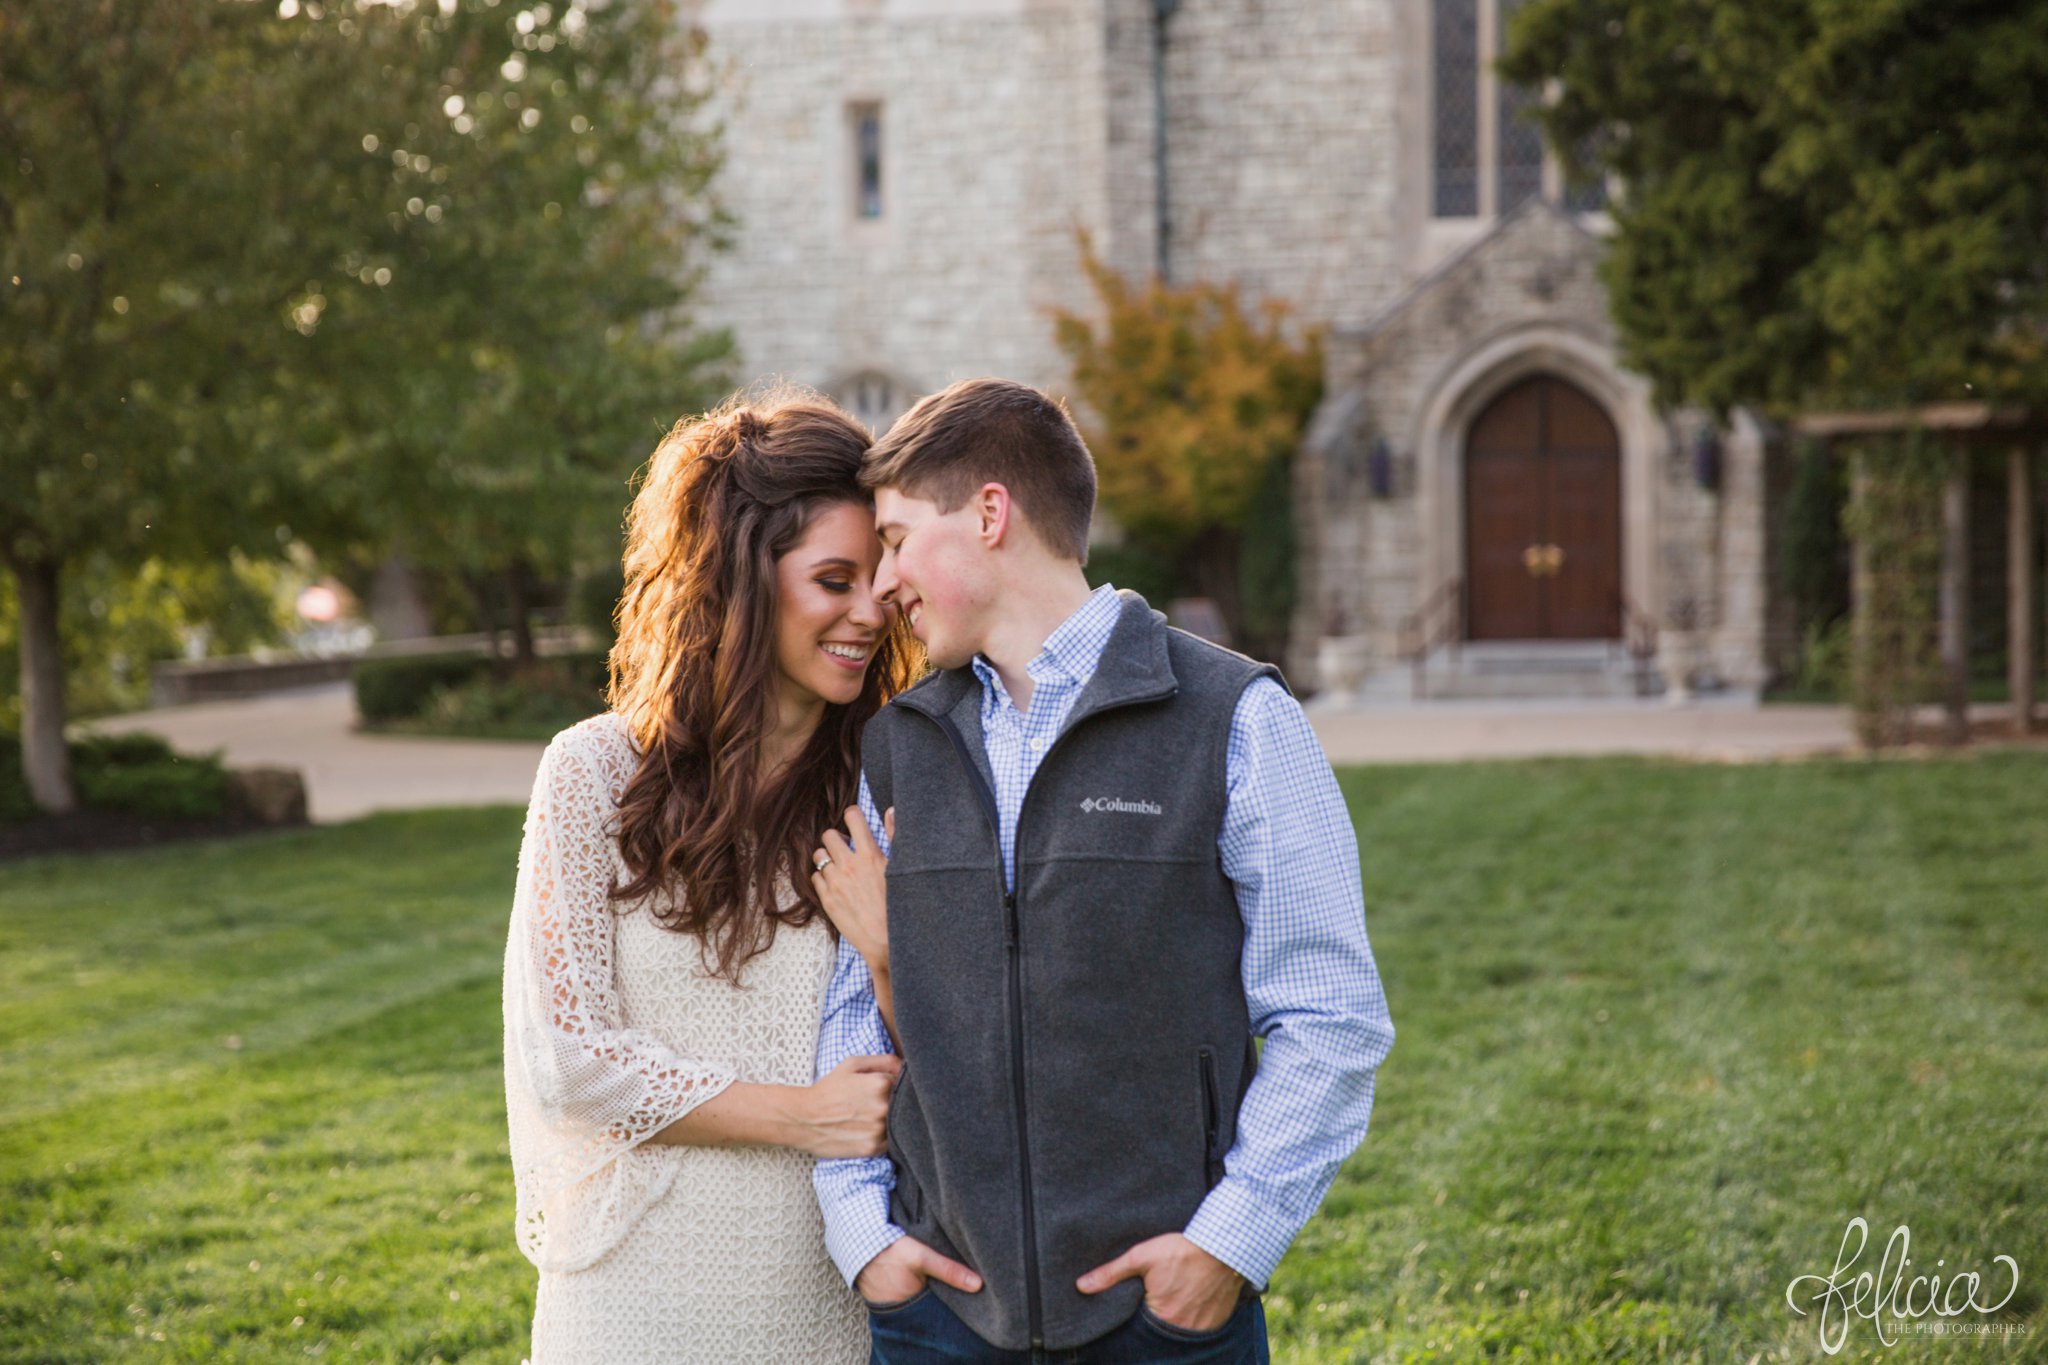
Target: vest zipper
[1034,1305]
[1032,1293]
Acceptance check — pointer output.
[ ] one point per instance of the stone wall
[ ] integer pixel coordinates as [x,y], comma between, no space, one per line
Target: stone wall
[1131,147]
[1282,151]
[1010,124]
[994,153]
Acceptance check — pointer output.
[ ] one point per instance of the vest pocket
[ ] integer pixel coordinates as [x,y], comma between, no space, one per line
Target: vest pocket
[1212,1152]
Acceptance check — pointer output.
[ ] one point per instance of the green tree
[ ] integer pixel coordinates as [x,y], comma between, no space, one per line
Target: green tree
[522,297]
[1825,204]
[1815,572]
[1195,406]
[161,197]
[363,274]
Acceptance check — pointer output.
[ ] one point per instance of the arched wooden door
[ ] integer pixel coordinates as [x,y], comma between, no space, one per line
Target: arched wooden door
[1543,517]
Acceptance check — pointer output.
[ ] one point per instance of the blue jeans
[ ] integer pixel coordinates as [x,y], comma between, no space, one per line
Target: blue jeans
[923,1331]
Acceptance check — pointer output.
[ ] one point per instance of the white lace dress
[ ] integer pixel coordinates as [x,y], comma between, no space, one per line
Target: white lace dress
[613,1030]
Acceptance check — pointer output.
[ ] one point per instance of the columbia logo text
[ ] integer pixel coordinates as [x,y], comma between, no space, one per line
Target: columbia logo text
[1099,804]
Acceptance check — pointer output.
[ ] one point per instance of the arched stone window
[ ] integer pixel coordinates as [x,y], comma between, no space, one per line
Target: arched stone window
[874,397]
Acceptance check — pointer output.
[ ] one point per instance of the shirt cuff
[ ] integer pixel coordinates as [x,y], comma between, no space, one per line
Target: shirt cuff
[859,1230]
[1241,1230]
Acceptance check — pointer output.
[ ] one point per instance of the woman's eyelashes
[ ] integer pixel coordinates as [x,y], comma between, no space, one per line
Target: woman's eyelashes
[835,585]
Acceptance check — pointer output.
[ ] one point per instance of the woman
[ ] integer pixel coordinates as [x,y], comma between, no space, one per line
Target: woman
[667,956]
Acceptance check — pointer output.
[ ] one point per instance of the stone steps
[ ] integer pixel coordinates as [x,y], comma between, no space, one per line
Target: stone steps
[1518,669]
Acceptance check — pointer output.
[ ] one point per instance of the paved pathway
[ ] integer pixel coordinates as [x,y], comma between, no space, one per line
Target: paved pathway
[347,773]
[350,774]
[1724,729]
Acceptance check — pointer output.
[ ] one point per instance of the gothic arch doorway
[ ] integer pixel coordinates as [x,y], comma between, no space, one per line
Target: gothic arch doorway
[1543,516]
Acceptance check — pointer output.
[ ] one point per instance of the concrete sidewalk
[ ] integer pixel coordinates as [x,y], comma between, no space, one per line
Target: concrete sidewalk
[349,774]
[1731,729]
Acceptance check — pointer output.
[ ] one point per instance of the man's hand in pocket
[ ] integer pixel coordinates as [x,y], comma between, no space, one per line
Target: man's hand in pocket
[1185,1286]
[899,1271]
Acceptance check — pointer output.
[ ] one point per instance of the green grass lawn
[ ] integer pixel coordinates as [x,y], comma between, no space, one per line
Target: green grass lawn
[1663,1030]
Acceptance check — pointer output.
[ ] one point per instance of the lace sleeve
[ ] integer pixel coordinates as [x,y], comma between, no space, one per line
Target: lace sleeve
[582,1089]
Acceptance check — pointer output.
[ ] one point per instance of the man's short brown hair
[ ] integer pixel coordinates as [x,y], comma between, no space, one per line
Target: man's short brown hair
[982,431]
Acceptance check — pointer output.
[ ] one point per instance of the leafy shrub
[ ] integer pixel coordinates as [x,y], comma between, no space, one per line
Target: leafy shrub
[1265,566]
[1894,663]
[137,773]
[402,688]
[1826,658]
[533,703]
[15,801]
[418,688]
[184,788]
[143,775]
[136,749]
[1815,567]
[589,669]
[538,691]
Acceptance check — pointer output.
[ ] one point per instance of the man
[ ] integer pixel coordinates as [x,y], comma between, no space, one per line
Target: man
[1119,857]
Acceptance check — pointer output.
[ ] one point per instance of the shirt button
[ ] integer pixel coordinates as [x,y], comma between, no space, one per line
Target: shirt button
[1037,746]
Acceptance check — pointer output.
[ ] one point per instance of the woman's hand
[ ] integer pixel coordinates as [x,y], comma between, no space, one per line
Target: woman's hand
[851,878]
[846,1113]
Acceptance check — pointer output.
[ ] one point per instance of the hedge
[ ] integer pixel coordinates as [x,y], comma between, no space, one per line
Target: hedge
[407,688]
[401,688]
[137,773]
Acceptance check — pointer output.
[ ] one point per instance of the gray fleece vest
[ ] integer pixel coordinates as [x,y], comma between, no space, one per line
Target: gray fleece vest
[1075,1052]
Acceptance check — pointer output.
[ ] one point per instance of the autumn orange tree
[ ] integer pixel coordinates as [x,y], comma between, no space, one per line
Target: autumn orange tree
[1193,404]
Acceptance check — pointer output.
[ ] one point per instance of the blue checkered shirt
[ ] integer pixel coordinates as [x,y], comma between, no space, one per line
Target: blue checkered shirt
[1314,994]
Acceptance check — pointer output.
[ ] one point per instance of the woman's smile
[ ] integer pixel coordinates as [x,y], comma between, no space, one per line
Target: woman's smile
[853,658]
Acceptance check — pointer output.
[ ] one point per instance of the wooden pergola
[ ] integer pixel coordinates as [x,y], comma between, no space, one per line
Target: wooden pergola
[2020,432]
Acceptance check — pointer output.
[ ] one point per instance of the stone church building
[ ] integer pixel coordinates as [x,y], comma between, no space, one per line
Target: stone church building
[1486,487]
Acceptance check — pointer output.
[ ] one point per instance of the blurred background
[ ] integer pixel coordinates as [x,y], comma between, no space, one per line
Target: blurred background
[1620,398]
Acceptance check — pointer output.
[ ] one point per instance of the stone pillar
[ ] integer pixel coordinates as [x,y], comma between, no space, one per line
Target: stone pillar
[1743,587]
[2020,588]
[1955,599]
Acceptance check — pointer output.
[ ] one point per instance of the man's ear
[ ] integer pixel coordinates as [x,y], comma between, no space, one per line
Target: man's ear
[996,514]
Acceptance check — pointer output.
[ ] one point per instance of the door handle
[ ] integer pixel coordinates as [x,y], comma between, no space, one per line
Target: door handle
[1554,559]
[1533,559]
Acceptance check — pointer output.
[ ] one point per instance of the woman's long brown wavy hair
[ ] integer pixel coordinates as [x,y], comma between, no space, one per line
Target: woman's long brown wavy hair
[693,672]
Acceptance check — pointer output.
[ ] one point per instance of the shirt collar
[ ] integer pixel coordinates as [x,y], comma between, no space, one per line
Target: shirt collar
[1070,653]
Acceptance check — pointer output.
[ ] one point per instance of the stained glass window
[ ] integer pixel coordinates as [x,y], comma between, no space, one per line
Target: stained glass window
[1455,37]
[1518,165]
[1510,161]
